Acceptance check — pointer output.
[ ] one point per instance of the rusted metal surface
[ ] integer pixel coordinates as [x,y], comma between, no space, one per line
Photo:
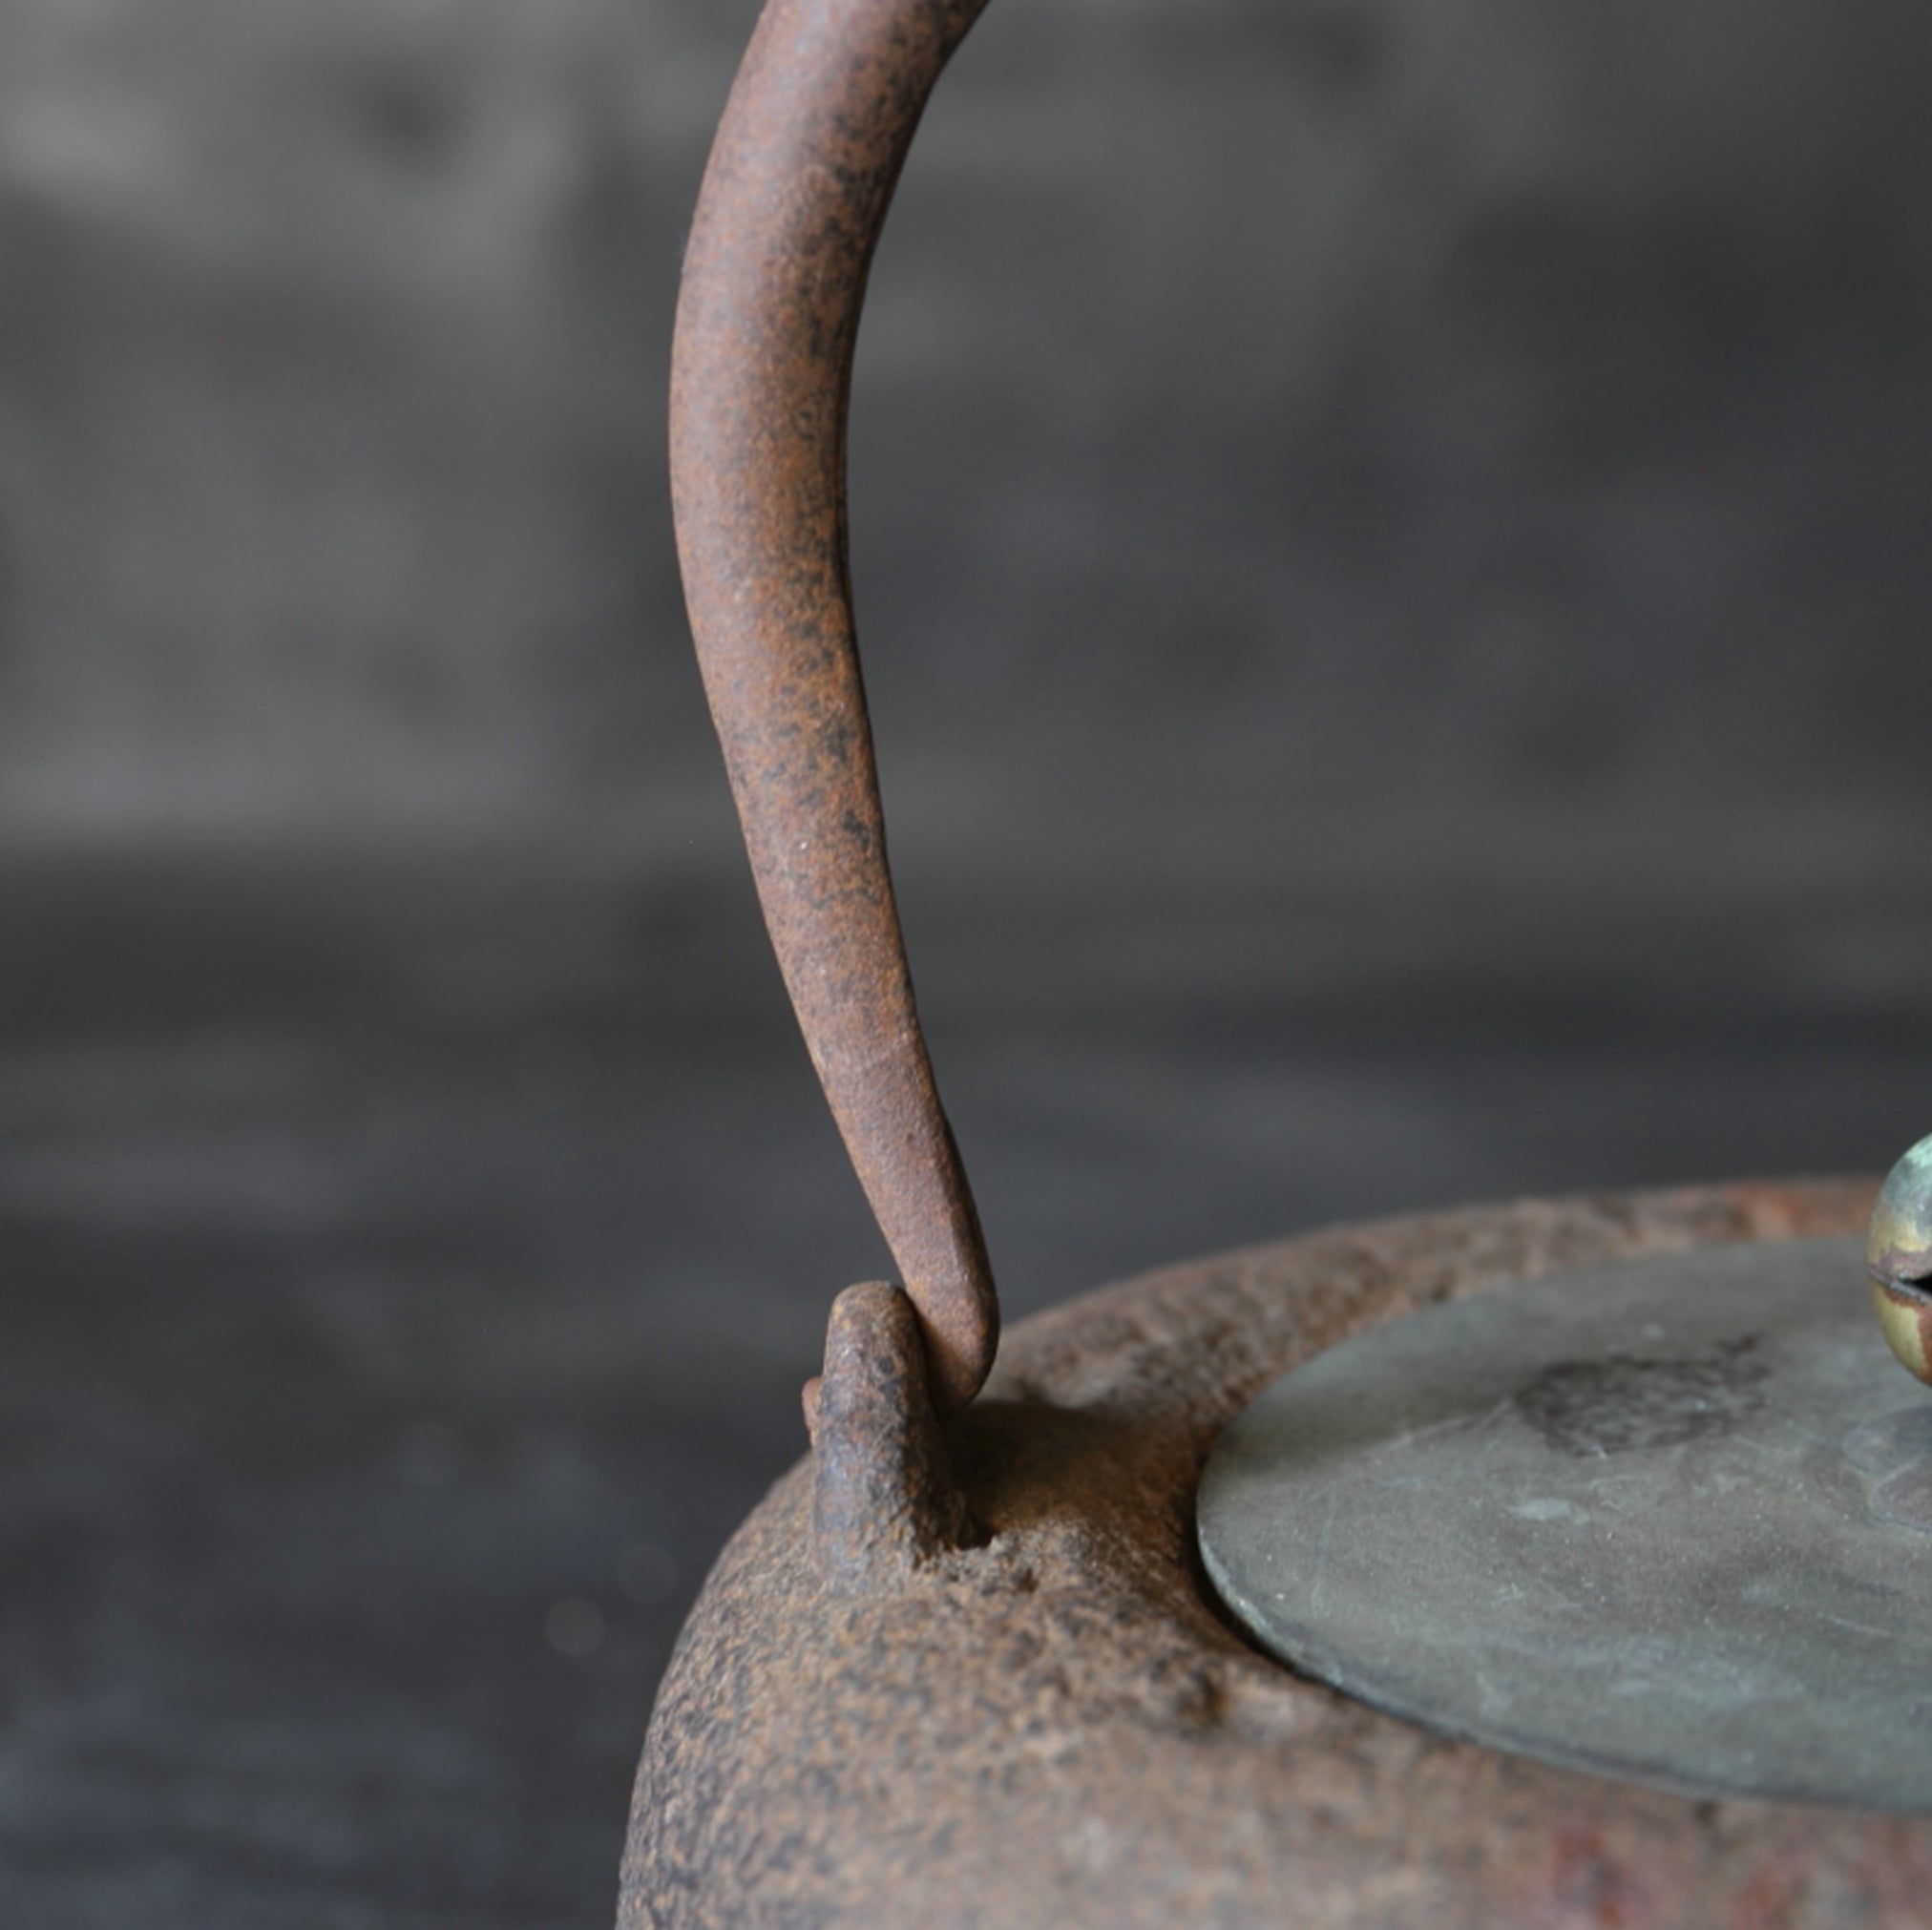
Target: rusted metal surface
[805,163]
[960,1667]
[884,1495]
[1055,1727]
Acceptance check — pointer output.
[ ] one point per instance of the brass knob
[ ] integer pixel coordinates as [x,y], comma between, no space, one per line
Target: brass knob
[1898,1257]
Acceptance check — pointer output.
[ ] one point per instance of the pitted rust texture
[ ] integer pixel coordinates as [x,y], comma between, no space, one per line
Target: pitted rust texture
[805,163]
[884,1496]
[1057,1728]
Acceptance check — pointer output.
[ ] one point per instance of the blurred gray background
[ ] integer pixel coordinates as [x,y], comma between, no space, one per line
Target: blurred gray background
[1392,547]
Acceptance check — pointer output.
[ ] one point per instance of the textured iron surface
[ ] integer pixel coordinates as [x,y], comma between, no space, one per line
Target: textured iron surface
[1057,1728]
[807,156]
[966,1674]
[884,1495]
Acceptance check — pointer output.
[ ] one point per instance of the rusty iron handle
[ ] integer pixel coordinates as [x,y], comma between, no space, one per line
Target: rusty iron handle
[801,175]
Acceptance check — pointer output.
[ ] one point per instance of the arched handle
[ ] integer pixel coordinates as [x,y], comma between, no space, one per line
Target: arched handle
[799,177]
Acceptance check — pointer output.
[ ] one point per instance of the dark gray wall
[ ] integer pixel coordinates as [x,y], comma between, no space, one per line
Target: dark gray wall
[1441,418]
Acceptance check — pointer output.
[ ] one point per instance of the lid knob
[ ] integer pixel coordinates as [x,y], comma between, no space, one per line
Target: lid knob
[1898,1257]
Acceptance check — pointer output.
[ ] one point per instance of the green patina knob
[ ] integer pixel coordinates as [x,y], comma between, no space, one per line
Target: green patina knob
[1898,1257]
